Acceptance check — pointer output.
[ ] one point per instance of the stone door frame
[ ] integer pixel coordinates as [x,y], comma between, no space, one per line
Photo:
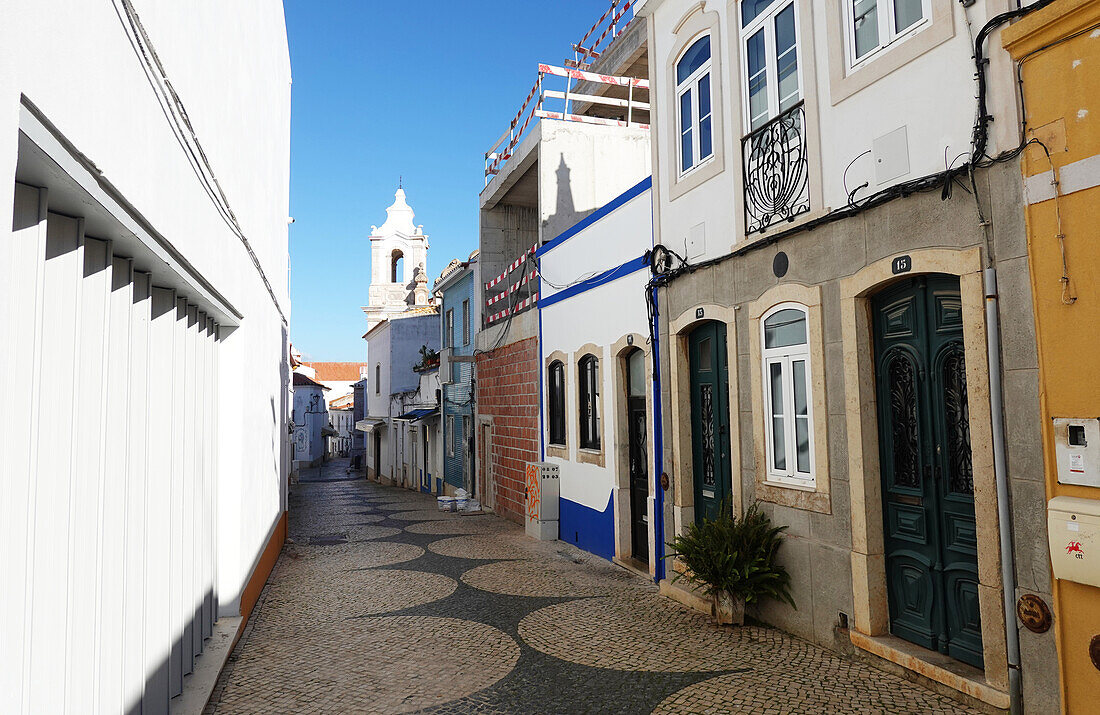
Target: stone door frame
[870,630]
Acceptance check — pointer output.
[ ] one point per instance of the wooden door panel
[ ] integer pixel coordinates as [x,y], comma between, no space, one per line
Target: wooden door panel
[928,503]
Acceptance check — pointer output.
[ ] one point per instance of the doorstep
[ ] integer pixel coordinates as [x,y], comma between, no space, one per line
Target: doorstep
[692,599]
[935,666]
[632,564]
[199,685]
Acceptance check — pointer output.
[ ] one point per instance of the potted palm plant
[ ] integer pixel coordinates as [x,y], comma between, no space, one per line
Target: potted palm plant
[733,560]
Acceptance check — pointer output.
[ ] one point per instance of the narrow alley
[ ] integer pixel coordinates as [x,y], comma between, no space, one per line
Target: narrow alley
[381,603]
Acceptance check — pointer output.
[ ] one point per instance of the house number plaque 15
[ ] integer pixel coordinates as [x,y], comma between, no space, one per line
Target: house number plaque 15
[901,264]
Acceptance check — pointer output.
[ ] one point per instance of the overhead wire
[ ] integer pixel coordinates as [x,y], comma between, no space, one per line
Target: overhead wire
[176,111]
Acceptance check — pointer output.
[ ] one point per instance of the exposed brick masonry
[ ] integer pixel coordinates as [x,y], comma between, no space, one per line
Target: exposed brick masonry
[507,390]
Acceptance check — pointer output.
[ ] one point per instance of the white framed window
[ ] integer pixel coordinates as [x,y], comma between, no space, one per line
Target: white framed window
[872,25]
[694,105]
[771,78]
[449,329]
[466,322]
[788,417]
[450,435]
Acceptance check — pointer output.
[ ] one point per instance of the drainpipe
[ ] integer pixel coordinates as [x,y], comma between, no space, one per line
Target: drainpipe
[1000,471]
[658,450]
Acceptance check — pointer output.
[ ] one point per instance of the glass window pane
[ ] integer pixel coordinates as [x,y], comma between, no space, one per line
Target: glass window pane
[751,9]
[779,452]
[686,158]
[704,355]
[784,30]
[696,56]
[704,95]
[802,437]
[906,14]
[786,58]
[784,328]
[705,146]
[801,416]
[758,79]
[798,376]
[865,20]
[636,368]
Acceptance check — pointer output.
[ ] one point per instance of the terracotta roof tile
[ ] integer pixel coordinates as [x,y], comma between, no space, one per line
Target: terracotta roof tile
[337,371]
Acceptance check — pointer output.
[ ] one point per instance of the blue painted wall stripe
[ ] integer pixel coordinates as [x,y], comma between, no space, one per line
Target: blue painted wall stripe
[632,192]
[607,276]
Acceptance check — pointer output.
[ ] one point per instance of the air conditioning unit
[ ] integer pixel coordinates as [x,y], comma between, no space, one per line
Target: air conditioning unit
[445,359]
[541,491]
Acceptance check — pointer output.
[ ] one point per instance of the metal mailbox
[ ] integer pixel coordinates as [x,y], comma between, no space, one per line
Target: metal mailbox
[1073,527]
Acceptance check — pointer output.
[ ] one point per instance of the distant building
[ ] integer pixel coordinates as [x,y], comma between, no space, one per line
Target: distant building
[337,376]
[341,419]
[309,417]
[394,347]
[460,316]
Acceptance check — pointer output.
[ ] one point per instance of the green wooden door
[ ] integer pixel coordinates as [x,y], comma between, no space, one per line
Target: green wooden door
[710,428]
[927,477]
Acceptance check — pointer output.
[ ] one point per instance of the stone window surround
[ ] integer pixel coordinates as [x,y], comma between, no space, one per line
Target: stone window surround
[816,498]
[680,459]
[695,23]
[623,546]
[843,83]
[870,626]
[808,60]
[554,450]
[586,455]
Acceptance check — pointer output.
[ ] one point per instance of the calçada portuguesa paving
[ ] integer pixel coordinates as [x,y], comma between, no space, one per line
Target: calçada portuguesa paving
[382,604]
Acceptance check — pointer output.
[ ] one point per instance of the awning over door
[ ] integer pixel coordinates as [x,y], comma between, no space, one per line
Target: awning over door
[370,424]
[419,415]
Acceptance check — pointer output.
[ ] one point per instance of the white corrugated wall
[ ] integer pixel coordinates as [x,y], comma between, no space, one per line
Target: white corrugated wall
[111,433]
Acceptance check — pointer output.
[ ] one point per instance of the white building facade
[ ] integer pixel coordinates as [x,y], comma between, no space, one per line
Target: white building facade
[597,379]
[144,285]
[843,252]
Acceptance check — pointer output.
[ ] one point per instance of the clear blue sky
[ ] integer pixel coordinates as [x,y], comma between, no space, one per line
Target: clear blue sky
[388,89]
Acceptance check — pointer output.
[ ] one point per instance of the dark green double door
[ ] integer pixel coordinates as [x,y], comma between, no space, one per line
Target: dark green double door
[927,476]
[710,422]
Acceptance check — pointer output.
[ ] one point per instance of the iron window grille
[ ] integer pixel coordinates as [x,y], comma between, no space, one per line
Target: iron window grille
[776,170]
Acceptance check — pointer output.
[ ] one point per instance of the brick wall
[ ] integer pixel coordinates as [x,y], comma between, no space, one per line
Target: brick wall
[508,390]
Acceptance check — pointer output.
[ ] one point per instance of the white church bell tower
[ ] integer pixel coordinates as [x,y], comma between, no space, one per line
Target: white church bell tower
[399,264]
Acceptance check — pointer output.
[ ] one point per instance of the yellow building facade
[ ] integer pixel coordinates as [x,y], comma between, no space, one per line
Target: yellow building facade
[1058,52]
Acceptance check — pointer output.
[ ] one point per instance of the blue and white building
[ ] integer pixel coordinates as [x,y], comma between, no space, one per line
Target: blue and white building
[598,381]
[460,313]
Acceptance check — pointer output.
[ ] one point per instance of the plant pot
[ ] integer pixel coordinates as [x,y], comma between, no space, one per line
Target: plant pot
[728,610]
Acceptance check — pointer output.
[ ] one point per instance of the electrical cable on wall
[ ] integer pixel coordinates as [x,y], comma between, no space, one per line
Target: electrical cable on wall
[177,114]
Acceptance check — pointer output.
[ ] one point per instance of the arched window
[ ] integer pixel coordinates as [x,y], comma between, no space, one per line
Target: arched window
[555,386]
[788,417]
[397,266]
[589,392]
[378,378]
[694,101]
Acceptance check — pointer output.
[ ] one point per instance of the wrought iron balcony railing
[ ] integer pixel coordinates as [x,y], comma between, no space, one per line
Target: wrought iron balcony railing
[776,170]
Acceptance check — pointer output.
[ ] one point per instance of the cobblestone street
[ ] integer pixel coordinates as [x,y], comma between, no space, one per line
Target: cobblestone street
[382,604]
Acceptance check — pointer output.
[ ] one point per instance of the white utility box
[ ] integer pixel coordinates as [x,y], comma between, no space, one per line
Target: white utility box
[1077,450]
[1073,527]
[541,490]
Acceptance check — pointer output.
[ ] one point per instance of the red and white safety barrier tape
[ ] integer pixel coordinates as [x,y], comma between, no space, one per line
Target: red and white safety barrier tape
[528,301]
[515,264]
[594,77]
[513,288]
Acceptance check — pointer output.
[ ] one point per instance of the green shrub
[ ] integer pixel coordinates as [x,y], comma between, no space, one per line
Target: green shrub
[734,555]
